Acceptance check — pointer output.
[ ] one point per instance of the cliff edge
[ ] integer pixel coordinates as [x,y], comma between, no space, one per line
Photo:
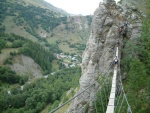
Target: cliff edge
[105,36]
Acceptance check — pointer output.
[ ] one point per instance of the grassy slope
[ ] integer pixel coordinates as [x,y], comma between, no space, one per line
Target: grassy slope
[35,3]
[73,35]
[41,4]
[61,34]
[55,65]
[5,54]
[11,27]
[45,110]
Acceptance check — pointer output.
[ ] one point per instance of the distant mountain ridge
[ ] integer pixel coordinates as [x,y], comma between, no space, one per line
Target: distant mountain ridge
[43,4]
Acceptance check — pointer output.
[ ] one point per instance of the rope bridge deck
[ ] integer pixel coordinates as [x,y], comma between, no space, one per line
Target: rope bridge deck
[111,99]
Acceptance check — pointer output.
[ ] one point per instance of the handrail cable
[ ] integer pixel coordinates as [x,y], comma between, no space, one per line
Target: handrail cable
[124,91]
[111,103]
[96,92]
[78,93]
[119,90]
[118,99]
[70,99]
[121,104]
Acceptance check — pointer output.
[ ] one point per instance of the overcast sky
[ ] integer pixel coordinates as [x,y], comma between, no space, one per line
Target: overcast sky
[84,7]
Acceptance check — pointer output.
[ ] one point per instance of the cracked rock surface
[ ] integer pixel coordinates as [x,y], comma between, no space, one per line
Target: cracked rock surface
[100,49]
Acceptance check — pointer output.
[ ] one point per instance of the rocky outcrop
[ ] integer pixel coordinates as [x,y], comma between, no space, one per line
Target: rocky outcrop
[26,66]
[100,49]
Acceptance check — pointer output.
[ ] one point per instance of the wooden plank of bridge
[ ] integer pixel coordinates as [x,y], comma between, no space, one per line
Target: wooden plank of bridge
[111,103]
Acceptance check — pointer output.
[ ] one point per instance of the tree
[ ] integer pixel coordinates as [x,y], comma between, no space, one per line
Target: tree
[2,43]
[30,103]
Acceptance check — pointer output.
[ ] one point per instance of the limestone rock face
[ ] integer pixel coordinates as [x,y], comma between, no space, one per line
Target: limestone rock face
[107,1]
[100,49]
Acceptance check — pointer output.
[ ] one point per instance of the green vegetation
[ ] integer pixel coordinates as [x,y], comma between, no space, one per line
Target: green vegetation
[26,22]
[36,95]
[78,46]
[102,95]
[89,18]
[40,55]
[2,44]
[10,77]
[31,15]
[5,53]
[34,21]
[137,66]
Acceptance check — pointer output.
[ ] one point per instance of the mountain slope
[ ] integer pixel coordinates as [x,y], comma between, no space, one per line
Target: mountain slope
[41,4]
[35,20]
[34,31]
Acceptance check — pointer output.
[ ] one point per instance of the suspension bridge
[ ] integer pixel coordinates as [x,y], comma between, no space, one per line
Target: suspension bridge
[109,98]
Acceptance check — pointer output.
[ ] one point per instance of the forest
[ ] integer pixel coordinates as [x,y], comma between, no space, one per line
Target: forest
[36,95]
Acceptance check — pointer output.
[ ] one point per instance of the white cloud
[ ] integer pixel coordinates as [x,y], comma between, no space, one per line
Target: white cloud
[84,7]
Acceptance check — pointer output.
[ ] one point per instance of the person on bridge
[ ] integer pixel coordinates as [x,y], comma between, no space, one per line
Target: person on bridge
[126,24]
[118,42]
[116,62]
[120,30]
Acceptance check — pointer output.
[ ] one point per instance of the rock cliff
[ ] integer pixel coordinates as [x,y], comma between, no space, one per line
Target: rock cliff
[100,49]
